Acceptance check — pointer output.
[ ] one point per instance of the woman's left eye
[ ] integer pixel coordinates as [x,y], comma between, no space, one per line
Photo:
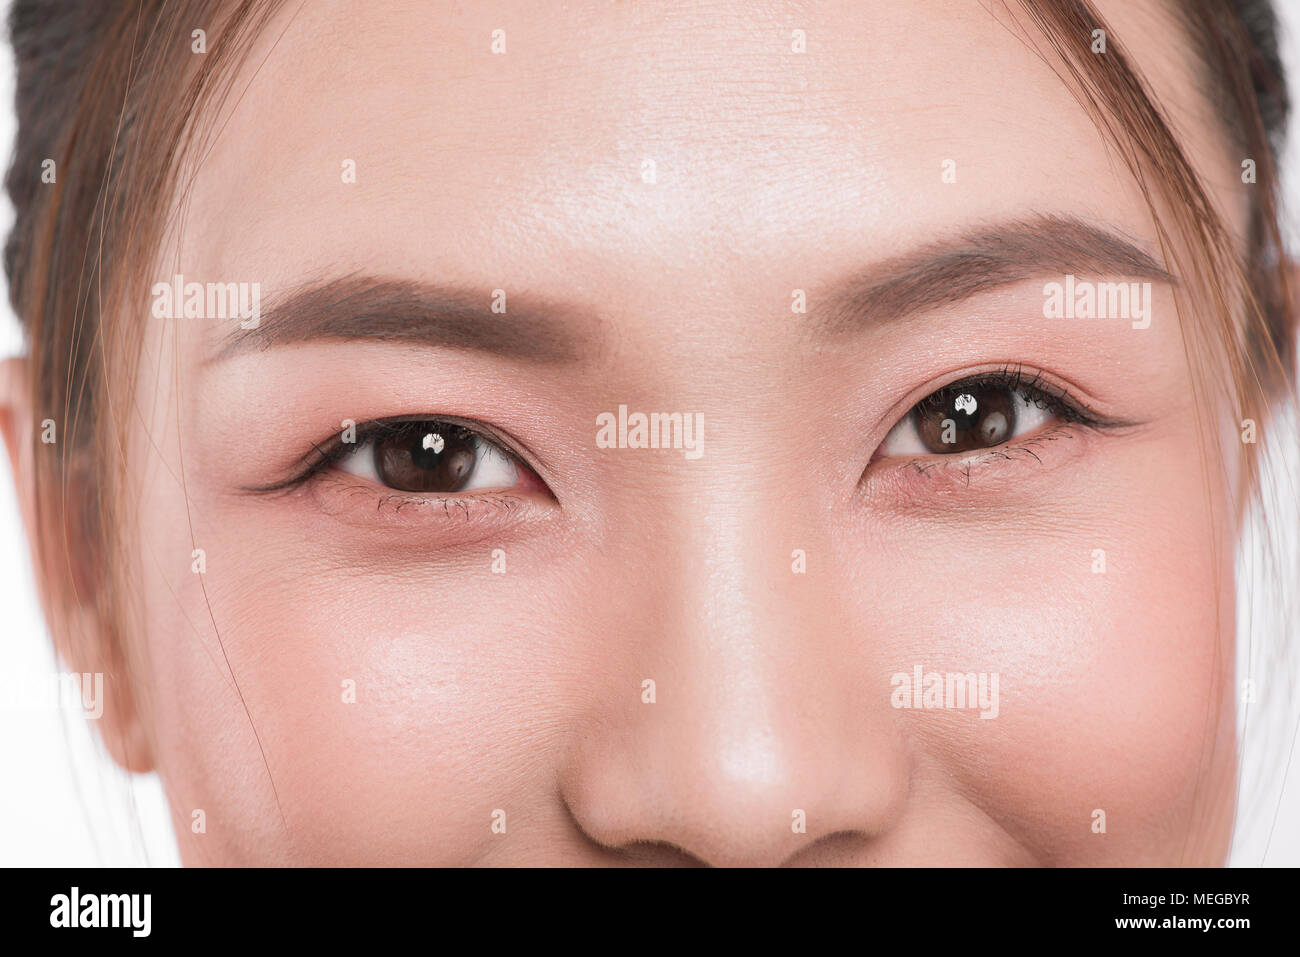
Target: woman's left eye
[969,416]
[430,457]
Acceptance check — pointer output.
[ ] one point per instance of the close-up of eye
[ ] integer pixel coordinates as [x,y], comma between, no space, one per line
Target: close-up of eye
[974,414]
[429,456]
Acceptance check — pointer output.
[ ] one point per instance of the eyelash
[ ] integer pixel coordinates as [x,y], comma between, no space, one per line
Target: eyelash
[1074,415]
[1013,378]
[318,460]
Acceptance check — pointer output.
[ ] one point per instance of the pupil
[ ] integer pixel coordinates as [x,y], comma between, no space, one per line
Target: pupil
[426,457]
[963,419]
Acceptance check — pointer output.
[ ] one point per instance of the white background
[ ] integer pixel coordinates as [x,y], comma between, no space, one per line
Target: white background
[62,803]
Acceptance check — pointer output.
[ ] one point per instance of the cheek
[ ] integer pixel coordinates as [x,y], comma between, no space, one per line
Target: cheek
[386,726]
[1108,619]
[396,705]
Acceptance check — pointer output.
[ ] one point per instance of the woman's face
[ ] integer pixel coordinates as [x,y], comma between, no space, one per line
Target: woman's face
[535,642]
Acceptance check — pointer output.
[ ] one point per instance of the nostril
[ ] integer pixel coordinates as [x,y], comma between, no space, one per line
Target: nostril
[657,854]
[839,849]
[639,852]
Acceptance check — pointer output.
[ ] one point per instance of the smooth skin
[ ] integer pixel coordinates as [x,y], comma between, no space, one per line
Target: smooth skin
[477,690]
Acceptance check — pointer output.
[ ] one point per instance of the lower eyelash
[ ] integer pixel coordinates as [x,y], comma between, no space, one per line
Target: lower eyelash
[388,502]
[394,502]
[930,466]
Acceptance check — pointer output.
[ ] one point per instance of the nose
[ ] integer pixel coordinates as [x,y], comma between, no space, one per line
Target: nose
[766,735]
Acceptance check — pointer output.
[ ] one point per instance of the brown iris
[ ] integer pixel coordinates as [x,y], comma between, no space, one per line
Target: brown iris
[964,418]
[426,457]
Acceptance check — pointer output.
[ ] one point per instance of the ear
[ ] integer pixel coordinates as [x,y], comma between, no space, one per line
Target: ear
[66,568]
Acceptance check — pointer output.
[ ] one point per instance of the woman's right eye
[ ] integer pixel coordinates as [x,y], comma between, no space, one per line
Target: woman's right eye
[431,457]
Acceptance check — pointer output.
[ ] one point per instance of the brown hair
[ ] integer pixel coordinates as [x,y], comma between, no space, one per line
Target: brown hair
[111,92]
[1255,343]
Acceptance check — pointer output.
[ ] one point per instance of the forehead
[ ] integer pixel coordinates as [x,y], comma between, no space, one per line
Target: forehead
[610,137]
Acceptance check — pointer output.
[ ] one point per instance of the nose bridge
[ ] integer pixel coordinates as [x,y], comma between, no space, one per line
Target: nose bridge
[759,739]
[733,639]
[738,605]
[765,672]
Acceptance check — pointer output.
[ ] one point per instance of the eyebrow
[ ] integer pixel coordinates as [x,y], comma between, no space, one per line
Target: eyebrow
[359,307]
[952,270]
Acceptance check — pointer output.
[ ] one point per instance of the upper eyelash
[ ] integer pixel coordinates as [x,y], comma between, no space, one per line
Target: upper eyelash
[315,460]
[1010,376]
[1044,394]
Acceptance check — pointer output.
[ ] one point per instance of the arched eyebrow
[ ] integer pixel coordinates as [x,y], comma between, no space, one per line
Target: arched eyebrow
[361,307]
[953,270]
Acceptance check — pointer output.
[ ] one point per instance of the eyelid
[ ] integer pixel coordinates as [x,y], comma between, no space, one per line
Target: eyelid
[930,475]
[323,454]
[1010,375]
